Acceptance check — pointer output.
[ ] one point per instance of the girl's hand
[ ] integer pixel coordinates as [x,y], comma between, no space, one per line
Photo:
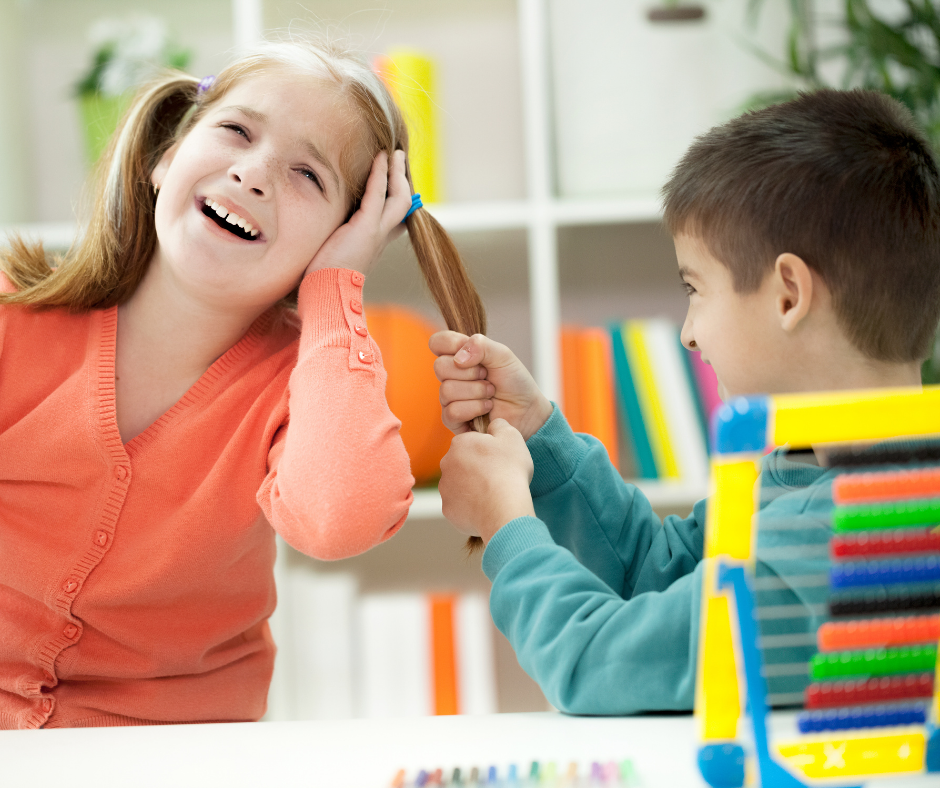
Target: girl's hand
[481,376]
[359,243]
[485,480]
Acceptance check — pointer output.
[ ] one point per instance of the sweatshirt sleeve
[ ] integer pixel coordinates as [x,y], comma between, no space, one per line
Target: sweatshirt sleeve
[339,479]
[598,598]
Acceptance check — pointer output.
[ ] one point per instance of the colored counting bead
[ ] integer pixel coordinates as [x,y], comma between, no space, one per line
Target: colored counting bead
[828,694]
[863,717]
[873,662]
[874,633]
[884,573]
[886,515]
[883,600]
[888,542]
[886,485]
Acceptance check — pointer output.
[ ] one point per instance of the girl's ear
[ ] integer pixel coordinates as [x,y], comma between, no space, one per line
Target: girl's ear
[794,284]
[159,172]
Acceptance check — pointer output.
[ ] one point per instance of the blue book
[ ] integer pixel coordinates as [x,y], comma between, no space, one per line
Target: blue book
[629,406]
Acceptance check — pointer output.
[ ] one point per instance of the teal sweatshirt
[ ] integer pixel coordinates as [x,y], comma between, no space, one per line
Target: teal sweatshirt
[600,599]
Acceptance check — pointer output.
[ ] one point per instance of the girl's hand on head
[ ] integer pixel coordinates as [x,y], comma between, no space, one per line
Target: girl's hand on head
[481,376]
[359,243]
[485,480]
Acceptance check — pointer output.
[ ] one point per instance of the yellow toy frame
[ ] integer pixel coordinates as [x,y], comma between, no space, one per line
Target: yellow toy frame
[744,430]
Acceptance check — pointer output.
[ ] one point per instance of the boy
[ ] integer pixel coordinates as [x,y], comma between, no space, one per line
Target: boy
[808,240]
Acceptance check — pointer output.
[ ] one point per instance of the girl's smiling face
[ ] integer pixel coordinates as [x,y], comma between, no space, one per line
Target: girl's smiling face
[268,155]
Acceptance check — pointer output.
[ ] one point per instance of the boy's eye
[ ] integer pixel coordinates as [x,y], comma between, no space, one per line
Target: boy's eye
[311,175]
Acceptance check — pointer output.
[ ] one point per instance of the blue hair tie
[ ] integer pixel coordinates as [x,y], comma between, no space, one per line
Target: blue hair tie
[415,204]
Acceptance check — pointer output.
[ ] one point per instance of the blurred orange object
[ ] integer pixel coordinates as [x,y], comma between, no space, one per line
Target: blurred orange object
[412,389]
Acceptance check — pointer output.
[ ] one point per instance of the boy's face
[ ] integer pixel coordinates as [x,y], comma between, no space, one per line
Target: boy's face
[735,332]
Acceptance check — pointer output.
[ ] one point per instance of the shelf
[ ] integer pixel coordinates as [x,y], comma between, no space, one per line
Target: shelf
[54,235]
[661,495]
[455,217]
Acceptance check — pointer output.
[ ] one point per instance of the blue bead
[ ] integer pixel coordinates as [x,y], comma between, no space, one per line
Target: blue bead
[741,425]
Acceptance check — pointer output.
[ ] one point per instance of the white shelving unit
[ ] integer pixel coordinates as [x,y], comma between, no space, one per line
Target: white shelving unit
[517,240]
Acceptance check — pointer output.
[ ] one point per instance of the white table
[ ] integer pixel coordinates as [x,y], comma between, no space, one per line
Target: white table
[336,754]
[357,753]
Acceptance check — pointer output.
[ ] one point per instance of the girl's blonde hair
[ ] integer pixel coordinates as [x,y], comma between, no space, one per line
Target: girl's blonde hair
[105,266]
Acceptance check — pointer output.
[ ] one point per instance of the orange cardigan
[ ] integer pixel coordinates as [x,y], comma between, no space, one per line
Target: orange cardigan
[136,580]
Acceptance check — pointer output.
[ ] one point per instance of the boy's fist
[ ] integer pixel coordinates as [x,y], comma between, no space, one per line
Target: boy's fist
[480,376]
[485,480]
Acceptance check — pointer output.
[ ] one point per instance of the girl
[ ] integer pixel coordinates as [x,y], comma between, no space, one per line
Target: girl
[162,406]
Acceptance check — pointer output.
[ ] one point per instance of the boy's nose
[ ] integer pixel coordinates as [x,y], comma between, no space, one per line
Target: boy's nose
[685,336]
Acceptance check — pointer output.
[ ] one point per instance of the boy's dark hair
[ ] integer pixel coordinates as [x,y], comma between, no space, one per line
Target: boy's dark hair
[843,179]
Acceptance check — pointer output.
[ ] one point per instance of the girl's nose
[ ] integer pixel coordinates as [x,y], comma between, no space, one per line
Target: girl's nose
[252,173]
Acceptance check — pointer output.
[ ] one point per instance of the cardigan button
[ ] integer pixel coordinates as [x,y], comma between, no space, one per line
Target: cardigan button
[365,358]
[120,472]
[357,279]
[47,705]
[361,330]
[71,631]
[356,306]
[70,586]
[101,538]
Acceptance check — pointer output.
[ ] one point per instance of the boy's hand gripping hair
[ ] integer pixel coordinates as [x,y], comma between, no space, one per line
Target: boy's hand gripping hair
[485,480]
[482,379]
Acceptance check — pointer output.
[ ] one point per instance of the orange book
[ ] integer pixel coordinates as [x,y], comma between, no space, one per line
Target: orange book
[571,377]
[444,654]
[597,390]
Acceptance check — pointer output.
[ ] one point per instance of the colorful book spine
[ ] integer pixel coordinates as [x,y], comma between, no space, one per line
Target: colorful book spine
[425,655]
[671,387]
[651,405]
[631,413]
[570,377]
[410,78]
[597,393]
[707,384]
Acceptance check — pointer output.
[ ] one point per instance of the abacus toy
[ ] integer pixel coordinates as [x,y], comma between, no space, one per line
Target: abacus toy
[870,626]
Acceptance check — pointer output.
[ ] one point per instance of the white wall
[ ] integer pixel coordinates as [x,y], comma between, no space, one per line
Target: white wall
[630,94]
[16,188]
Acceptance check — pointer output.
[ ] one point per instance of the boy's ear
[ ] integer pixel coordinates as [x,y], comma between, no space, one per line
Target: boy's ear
[159,172]
[793,295]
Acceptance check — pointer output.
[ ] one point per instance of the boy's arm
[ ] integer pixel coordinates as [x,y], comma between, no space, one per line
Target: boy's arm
[591,651]
[606,522]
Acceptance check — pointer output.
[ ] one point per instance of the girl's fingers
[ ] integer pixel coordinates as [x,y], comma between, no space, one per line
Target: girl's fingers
[459,390]
[398,201]
[373,201]
[457,415]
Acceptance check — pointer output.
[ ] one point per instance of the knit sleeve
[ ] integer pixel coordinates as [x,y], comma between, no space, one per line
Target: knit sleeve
[339,479]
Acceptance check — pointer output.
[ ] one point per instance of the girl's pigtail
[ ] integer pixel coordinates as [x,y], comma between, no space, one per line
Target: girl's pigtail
[105,266]
[453,292]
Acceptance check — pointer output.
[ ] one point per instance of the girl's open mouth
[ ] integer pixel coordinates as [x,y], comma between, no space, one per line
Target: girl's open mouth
[230,221]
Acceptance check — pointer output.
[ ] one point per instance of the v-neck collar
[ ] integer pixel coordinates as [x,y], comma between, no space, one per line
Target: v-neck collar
[199,391]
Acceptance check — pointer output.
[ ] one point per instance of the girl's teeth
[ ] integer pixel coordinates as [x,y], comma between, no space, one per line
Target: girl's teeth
[254,233]
[220,211]
[241,222]
[247,227]
[231,219]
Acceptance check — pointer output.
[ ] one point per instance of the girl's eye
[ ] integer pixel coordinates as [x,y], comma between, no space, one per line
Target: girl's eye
[689,290]
[236,128]
[311,175]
